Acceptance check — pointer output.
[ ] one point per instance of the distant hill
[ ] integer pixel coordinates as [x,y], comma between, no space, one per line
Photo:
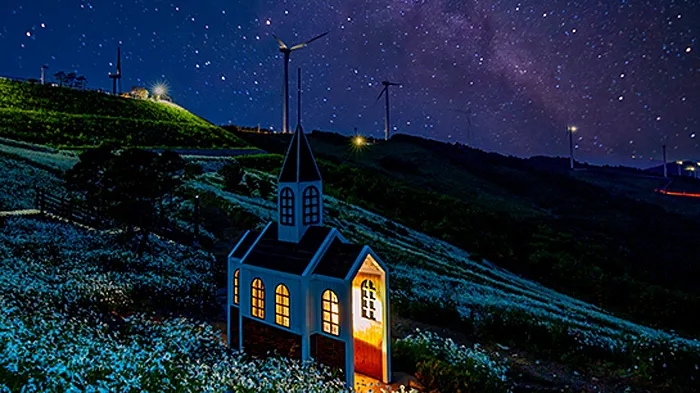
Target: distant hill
[601,234]
[64,117]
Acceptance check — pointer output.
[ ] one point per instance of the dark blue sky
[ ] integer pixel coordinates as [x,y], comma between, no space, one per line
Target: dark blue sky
[626,73]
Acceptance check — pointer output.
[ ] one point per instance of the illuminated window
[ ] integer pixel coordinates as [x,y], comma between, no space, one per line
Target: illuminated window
[287,207]
[282,305]
[257,305]
[311,205]
[369,296]
[235,285]
[331,315]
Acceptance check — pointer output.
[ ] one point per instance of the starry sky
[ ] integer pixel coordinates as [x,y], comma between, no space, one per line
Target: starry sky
[505,76]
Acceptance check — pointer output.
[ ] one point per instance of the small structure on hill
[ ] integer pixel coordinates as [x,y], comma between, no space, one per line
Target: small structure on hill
[300,289]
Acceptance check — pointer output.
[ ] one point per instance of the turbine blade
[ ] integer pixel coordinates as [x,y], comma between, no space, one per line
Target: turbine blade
[303,44]
[380,94]
[282,44]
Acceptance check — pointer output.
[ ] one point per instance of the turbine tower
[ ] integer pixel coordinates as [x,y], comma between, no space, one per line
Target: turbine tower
[285,86]
[118,75]
[469,114]
[663,148]
[43,74]
[386,119]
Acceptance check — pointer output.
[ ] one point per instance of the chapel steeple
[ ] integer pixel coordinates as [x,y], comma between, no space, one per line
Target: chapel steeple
[300,190]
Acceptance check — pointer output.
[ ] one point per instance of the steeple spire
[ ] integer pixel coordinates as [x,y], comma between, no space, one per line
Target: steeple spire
[299,165]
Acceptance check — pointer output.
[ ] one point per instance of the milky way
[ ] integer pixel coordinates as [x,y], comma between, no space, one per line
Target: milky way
[505,76]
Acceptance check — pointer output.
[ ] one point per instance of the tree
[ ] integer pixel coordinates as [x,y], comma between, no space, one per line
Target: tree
[127,185]
[70,79]
[60,77]
[80,82]
[232,174]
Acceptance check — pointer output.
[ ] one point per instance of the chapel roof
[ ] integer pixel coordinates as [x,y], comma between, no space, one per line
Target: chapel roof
[338,259]
[243,243]
[299,164]
[294,258]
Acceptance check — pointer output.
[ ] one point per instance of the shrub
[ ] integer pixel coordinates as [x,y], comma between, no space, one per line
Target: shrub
[232,174]
[193,170]
[440,364]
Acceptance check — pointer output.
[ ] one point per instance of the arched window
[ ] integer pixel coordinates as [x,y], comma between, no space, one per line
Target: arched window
[236,276]
[257,299]
[369,296]
[282,305]
[331,313]
[311,205]
[287,206]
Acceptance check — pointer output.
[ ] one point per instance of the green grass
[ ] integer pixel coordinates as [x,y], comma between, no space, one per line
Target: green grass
[64,117]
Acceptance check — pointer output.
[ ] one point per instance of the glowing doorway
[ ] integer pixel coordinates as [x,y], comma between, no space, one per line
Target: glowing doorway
[369,329]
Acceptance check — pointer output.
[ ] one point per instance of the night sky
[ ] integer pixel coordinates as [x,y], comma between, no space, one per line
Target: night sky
[625,72]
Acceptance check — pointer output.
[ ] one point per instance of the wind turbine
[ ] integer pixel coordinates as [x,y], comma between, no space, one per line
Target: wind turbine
[43,76]
[118,75]
[468,112]
[285,88]
[386,120]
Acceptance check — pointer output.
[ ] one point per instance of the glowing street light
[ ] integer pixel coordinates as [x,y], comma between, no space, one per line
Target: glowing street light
[159,90]
[679,164]
[359,141]
[571,130]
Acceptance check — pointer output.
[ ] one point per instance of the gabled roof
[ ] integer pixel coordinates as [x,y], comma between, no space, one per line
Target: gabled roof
[299,164]
[338,259]
[271,253]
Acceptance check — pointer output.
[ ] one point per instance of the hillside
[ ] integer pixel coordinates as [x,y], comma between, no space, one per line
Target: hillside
[547,340]
[599,235]
[64,117]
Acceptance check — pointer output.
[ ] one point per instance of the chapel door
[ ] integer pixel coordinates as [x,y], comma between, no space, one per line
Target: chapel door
[368,326]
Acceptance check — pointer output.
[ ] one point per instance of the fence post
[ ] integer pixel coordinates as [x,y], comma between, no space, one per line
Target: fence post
[70,209]
[196,219]
[42,202]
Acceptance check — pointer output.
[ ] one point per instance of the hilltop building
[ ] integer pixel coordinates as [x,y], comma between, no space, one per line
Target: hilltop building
[300,289]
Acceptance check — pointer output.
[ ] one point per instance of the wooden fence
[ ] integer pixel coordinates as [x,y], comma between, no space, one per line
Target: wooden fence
[68,208]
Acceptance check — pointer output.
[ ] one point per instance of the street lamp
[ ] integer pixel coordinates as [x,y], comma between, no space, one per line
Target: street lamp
[679,164]
[571,130]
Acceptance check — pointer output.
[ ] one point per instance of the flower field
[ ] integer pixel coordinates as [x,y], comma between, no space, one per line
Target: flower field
[60,291]
[429,272]
[19,181]
[71,287]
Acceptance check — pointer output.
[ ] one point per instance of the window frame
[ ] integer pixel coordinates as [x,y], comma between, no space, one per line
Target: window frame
[368,300]
[236,286]
[311,205]
[328,312]
[257,303]
[287,206]
[283,315]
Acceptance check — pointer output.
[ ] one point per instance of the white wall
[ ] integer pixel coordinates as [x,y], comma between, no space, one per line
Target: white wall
[271,280]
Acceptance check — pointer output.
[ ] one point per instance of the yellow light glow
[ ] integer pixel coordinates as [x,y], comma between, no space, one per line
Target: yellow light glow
[679,162]
[359,141]
[159,90]
[690,168]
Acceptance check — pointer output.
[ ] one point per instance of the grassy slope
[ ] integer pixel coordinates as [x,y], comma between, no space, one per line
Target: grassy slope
[624,248]
[437,282]
[68,117]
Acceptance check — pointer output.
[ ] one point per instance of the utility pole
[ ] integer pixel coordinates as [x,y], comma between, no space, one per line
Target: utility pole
[571,130]
[665,167]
